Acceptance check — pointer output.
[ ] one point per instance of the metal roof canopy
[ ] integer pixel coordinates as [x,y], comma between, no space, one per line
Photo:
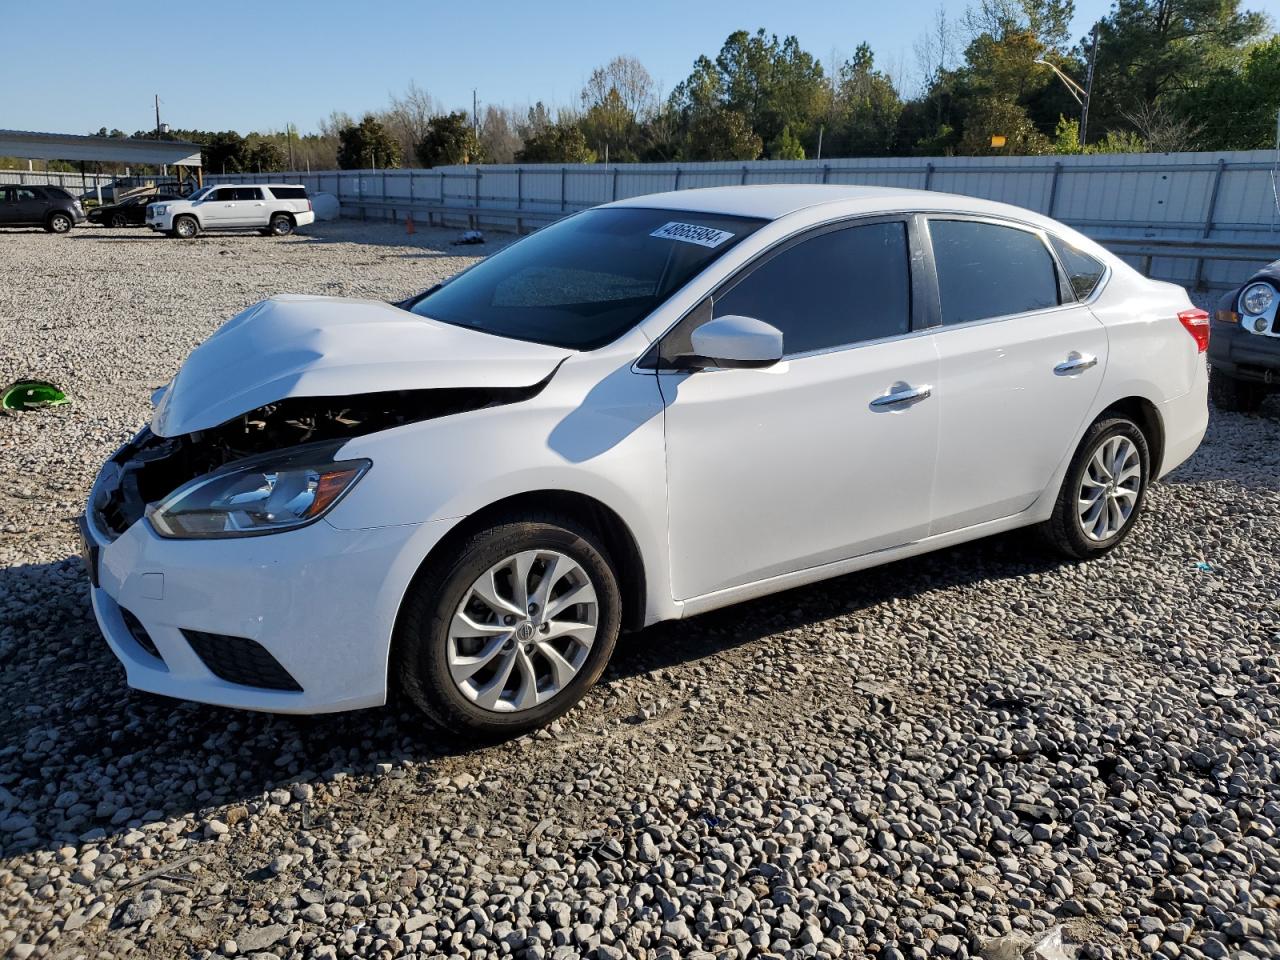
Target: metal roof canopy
[64,146]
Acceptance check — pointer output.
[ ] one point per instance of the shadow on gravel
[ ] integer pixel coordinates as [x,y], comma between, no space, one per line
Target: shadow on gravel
[111,758]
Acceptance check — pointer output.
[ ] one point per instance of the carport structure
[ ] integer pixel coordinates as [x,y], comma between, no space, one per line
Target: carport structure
[29,145]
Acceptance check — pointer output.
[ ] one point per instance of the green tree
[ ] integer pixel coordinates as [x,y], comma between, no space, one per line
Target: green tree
[1153,50]
[617,100]
[721,134]
[224,152]
[866,109]
[771,83]
[559,142]
[786,147]
[1237,104]
[989,117]
[450,139]
[367,145]
[264,154]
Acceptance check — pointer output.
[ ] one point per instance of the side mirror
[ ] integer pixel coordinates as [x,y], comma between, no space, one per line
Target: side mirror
[737,342]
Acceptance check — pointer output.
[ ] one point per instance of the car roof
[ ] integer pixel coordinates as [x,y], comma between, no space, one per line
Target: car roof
[772,201]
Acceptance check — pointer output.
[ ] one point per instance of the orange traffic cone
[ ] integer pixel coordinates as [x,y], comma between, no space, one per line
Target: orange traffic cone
[408,224]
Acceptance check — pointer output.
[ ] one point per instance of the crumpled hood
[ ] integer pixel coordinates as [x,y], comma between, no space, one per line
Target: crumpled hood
[296,346]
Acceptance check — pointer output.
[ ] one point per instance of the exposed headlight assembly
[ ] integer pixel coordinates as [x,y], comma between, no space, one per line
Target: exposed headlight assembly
[1257,298]
[260,495]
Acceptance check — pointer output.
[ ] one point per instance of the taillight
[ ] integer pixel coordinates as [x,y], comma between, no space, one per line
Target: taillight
[308,204]
[1196,323]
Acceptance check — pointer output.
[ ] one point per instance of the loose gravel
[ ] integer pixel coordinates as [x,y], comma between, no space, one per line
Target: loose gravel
[980,752]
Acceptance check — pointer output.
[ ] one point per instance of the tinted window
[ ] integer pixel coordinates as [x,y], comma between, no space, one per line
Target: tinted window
[586,280]
[27,193]
[834,289]
[986,270]
[1085,272]
[289,193]
[247,193]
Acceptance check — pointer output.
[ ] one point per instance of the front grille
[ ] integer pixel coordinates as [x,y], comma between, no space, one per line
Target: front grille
[240,660]
[139,633]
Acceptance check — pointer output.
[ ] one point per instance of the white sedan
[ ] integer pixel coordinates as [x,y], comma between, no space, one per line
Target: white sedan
[645,411]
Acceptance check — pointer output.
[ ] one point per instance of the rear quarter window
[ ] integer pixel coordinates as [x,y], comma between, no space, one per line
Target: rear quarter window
[289,193]
[1084,271]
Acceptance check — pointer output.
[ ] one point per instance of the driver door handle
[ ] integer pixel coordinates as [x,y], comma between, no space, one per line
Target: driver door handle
[1075,363]
[904,395]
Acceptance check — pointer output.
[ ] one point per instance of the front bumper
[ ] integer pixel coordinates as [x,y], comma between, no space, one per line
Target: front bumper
[1244,355]
[321,602]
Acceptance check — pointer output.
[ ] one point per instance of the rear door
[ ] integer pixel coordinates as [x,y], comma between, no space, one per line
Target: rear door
[1021,361]
[822,456]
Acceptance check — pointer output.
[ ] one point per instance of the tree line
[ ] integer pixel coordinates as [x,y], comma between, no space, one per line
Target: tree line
[1168,75]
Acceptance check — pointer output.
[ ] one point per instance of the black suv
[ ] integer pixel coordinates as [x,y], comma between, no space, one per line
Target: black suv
[1244,346]
[25,205]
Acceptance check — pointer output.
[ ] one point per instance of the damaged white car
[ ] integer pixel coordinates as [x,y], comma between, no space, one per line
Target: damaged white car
[645,411]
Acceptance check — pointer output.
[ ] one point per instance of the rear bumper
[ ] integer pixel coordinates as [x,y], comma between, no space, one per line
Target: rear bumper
[1185,420]
[304,218]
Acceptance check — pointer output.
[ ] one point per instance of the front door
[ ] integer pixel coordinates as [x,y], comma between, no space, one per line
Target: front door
[219,208]
[1021,363]
[823,456]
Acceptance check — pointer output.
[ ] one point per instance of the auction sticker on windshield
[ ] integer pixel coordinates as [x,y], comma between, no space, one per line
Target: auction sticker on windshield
[692,233]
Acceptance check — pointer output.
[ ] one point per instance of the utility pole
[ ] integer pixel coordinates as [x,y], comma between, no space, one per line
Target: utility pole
[821,127]
[289,133]
[157,116]
[1088,89]
[475,113]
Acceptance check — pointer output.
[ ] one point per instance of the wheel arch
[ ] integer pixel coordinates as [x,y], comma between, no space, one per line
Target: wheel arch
[619,540]
[1147,416]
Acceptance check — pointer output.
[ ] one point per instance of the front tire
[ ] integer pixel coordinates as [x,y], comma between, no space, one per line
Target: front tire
[185,227]
[511,629]
[1235,396]
[60,223]
[1103,492]
[119,220]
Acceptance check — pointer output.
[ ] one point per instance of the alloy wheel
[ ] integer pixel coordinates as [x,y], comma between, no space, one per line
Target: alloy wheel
[523,631]
[1109,488]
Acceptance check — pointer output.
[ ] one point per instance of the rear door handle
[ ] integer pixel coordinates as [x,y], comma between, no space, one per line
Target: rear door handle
[902,395]
[1075,363]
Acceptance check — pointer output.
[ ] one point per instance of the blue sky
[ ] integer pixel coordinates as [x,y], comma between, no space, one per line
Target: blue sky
[260,65]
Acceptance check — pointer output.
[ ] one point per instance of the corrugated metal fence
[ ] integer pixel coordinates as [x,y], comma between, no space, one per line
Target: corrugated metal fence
[75,182]
[1190,197]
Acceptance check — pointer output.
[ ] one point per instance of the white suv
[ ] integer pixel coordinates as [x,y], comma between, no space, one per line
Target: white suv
[270,208]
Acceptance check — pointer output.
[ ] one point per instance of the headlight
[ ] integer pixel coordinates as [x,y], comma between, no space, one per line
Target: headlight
[1257,298]
[157,209]
[260,495]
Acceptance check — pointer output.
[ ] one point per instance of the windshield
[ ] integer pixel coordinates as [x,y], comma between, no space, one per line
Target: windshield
[201,194]
[585,281]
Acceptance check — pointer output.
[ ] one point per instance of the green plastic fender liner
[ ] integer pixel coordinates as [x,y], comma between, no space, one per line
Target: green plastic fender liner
[29,394]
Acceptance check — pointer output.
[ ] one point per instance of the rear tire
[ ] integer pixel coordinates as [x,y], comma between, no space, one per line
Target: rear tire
[1104,490]
[551,656]
[59,223]
[185,227]
[1235,396]
[281,225]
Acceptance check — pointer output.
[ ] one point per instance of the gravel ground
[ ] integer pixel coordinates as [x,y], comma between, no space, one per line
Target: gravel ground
[982,751]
